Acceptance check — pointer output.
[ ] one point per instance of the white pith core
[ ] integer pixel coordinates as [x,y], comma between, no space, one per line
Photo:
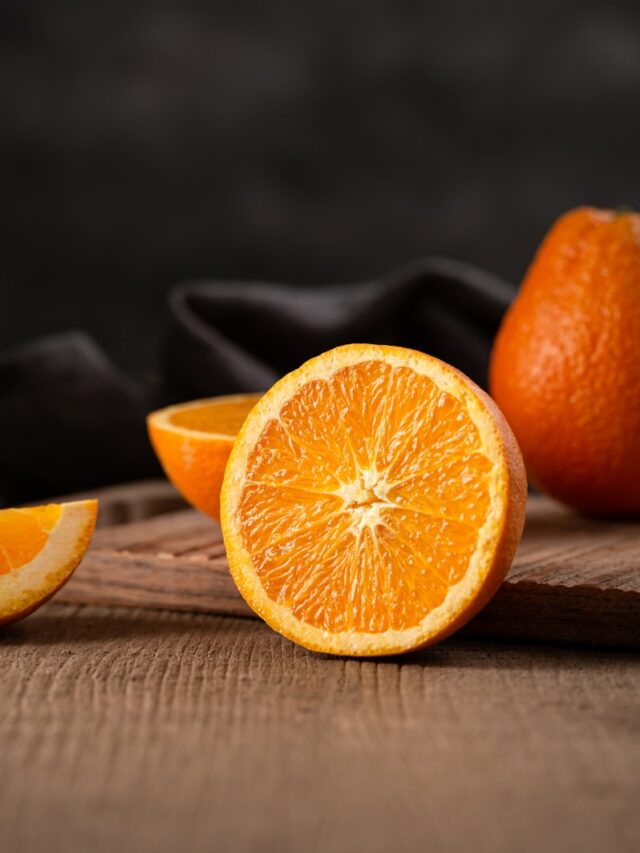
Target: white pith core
[364,499]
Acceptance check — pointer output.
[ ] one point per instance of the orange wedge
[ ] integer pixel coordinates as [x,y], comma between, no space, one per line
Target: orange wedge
[193,442]
[373,502]
[40,548]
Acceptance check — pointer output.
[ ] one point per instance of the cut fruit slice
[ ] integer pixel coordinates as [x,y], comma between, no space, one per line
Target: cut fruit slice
[373,502]
[40,547]
[193,442]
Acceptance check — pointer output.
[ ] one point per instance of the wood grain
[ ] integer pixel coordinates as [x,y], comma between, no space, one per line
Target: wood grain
[148,731]
[574,580]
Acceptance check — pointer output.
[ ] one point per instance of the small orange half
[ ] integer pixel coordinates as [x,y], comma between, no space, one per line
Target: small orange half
[40,548]
[193,442]
[373,501]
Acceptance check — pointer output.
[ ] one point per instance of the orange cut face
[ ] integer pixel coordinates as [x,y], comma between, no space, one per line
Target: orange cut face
[40,548]
[224,418]
[24,533]
[361,511]
[372,502]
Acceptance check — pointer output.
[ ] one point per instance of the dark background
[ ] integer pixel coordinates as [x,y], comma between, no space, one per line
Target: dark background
[148,141]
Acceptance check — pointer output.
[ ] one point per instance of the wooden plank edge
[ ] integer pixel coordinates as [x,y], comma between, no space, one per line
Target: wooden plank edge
[522,611]
[529,612]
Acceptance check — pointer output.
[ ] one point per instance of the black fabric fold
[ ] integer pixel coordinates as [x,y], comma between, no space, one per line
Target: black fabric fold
[70,420]
[229,336]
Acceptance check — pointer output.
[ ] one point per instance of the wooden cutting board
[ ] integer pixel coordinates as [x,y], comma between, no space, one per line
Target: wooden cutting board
[574,580]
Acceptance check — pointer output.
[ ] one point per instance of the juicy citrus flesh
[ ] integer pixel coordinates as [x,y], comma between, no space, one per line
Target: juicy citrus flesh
[40,547]
[222,416]
[24,533]
[364,500]
[193,442]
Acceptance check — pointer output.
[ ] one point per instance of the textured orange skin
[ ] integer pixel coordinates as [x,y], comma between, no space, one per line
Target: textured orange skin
[565,367]
[194,466]
[195,460]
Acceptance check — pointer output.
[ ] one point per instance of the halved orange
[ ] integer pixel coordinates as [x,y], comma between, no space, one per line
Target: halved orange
[40,548]
[373,501]
[193,442]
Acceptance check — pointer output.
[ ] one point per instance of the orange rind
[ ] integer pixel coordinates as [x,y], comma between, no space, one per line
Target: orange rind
[40,548]
[373,502]
[193,442]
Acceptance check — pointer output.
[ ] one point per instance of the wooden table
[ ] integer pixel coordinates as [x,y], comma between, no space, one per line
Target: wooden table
[128,729]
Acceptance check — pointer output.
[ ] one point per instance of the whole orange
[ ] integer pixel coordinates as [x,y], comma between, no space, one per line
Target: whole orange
[565,368]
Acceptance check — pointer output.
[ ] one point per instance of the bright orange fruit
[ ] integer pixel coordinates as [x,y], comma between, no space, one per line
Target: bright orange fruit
[372,502]
[565,368]
[40,547]
[193,442]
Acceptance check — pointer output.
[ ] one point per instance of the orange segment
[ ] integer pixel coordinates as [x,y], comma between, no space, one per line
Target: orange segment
[40,547]
[24,533]
[193,441]
[372,502]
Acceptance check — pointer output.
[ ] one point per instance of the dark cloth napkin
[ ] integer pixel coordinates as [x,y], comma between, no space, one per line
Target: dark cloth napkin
[70,420]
